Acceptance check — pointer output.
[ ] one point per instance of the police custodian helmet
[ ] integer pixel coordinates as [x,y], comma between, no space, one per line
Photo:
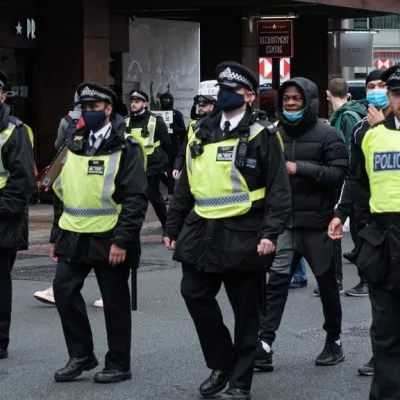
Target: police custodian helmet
[91,92]
[234,75]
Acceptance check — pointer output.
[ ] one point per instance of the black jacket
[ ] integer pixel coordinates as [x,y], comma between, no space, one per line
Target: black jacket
[178,126]
[17,157]
[156,162]
[320,154]
[379,253]
[230,244]
[353,195]
[180,158]
[130,192]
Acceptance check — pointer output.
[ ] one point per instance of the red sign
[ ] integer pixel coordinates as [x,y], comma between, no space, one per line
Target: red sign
[275,38]
[383,63]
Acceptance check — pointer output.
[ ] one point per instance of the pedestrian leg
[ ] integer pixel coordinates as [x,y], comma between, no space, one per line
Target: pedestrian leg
[7,259]
[156,199]
[67,286]
[243,291]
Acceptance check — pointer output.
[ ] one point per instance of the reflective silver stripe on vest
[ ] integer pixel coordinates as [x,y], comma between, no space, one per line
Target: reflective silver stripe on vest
[253,130]
[107,208]
[152,130]
[3,139]
[238,196]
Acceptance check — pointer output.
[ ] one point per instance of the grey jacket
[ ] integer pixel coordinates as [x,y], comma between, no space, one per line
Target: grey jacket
[75,114]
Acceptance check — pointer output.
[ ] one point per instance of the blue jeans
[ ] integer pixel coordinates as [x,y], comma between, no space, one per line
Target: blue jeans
[301,271]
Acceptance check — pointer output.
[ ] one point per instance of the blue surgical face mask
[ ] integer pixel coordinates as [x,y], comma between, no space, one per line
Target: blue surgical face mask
[293,116]
[378,98]
[229,100]
[94,120]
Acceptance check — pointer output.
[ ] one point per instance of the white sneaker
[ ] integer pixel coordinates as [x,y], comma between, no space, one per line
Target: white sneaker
[45,296]
[99,303]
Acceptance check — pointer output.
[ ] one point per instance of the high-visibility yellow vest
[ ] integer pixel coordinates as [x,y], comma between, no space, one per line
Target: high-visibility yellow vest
[279,136]
[30,133]
[86,186]
[381,149]
[148,142]
[218,187]
[4,136]
[191,127]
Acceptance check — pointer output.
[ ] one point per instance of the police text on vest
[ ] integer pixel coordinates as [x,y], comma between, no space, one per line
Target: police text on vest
[386,161]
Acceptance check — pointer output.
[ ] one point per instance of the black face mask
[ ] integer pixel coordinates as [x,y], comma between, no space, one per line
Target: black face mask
[94,120]
[229,100]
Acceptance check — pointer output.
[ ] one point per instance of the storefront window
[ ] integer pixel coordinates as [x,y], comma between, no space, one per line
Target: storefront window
[17,64]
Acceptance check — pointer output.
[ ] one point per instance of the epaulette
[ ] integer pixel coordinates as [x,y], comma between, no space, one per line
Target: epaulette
[15,121]
[268,125]
[132,140]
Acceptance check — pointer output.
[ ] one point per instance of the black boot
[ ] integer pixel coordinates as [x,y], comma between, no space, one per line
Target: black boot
[75,367]
[215,383]
[368,369]
[112,376]
[332,354]
[3,354]
[236,394]
[263,360]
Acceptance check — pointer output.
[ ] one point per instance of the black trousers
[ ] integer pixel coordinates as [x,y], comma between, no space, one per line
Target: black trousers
[171,179]
[337,256]
[291,246]
[7,259]
[385,337]
[114,288]
[156,199]
[199,290]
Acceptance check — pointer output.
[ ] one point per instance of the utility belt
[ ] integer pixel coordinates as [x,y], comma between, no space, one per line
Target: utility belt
[383,220]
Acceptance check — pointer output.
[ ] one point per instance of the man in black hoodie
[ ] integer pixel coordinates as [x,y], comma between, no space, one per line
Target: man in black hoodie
[177,137]
[17,182]
[317,163]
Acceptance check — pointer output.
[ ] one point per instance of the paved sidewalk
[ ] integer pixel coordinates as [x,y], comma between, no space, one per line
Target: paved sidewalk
[41,220]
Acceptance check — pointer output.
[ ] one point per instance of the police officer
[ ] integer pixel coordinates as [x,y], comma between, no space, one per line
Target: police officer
[204,103]
[379,255]
[102,188]
[231,203]
[152,132]
[17,182]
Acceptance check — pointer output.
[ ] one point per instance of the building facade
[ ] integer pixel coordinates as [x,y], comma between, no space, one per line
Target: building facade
[49,47]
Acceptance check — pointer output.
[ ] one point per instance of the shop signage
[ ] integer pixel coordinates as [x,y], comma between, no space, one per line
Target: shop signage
[30,29]
[356,49]
[275,38]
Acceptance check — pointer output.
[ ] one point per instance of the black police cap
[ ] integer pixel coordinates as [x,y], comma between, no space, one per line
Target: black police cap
[392,77]
[204,99]
[92,92]
[3,80]
[139,95]
[235,75]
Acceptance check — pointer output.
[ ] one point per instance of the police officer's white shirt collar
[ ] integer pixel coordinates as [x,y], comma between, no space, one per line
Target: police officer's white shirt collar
[234,122]
[397,123]
[105,131]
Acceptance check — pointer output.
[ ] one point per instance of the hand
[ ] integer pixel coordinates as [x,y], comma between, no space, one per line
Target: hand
[175,173]
[265,247]
[53,257]
[169,243]
[117,255]
[374,115]
[335,229]
[291,167]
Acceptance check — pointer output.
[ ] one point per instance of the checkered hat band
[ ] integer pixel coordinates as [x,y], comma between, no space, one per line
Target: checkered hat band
[136,95]
[87,92]
[396,76]
[234,76]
